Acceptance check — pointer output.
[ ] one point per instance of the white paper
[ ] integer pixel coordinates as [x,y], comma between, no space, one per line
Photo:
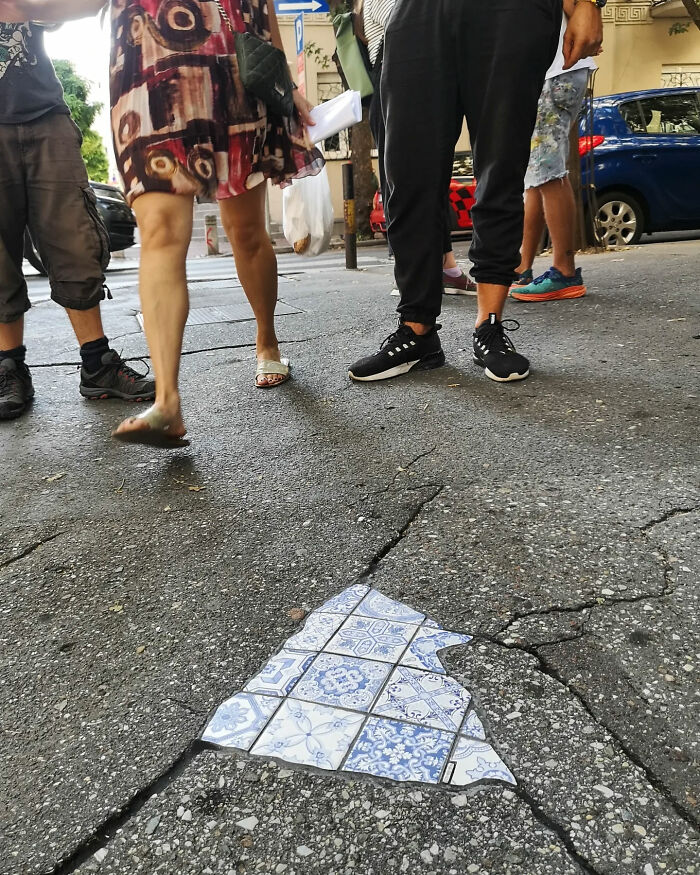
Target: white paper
[335,115]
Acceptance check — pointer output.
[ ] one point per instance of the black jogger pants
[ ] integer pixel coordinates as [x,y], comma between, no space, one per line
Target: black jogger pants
[445,60]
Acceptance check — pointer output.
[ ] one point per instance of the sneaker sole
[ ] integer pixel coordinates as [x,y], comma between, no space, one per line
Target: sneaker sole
[448,290]
[511,378]
[436,360]
[559,295]
[103,394]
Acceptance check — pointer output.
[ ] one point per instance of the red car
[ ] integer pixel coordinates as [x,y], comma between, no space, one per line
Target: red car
[462,187]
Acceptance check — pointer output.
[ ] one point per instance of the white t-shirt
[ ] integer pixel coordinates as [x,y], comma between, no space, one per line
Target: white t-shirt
[376,16]
[557,67]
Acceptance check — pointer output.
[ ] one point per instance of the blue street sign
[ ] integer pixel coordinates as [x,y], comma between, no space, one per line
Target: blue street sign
[293,7]
[299,33]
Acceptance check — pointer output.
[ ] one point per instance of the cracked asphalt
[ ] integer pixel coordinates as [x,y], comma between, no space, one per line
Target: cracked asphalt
[554,520]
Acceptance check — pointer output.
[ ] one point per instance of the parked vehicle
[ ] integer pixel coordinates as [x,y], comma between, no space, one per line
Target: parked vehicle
[646,162]
[115,213]
[462,186]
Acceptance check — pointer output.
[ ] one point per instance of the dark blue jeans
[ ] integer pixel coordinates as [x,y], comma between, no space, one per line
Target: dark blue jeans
[444,61]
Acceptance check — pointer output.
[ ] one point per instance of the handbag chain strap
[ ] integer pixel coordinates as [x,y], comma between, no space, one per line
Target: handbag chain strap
[224,14]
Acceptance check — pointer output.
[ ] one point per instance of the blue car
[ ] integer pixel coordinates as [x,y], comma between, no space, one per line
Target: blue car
[644,149]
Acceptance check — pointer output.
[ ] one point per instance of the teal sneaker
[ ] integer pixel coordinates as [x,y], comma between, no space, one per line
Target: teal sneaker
[551,286]
[522,279]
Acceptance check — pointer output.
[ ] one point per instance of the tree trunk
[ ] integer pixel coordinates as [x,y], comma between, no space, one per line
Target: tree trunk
[693,11]
[581,237]
[363,171]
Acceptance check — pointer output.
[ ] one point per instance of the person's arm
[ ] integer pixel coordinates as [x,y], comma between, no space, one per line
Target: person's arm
[48,10]
[300,102]
[584,33]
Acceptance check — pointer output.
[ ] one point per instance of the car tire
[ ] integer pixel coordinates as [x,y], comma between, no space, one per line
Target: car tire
[619,219]
[32,256]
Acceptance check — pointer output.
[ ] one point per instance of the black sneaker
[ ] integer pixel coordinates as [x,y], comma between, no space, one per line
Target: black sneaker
[399,353]
[16,389]
[494,351]
[115,379]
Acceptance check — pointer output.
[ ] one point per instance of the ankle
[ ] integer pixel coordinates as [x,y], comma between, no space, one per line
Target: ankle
[418,328]
[566,269]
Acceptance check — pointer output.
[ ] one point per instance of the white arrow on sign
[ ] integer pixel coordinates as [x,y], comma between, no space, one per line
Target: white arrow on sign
[301,6]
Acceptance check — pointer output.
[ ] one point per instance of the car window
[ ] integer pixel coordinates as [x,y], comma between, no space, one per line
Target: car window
[671,114]
[632,117]
[463,165]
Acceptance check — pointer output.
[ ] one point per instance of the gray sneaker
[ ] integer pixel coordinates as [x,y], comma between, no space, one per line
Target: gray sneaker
[16,389]
[115,379]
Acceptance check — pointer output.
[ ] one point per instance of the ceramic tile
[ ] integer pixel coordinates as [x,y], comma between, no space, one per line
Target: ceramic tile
[318,630]
[473,761]
[239,720]
[369,638]
[473,727]
[343,681]
[423,697]
[422,652]
[431,624]
[375,604]
[345,601]
[309,734]
[392,749]
[280,674]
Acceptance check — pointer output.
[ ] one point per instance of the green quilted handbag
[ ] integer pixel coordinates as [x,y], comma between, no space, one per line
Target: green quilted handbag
[263,70]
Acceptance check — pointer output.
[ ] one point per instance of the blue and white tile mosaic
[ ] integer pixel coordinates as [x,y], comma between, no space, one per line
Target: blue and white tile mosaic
[240,720]
[402,751]
[280,674]
[309,734]
[360,688]
[342,681]
[369,638]
[422,652]
[473,761]
[473,727]
[423,697]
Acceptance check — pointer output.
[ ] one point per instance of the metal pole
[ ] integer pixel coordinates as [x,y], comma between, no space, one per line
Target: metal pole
[211,234]
[349,214]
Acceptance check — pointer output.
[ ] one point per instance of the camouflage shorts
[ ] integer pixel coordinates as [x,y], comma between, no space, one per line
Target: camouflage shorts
[557,110]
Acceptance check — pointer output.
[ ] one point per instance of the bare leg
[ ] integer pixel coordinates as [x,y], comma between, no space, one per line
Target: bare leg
[490,299]
[533,229]
[560,211]
[12,334]
[243,218]
[449,261]
[165,224]
[87,324]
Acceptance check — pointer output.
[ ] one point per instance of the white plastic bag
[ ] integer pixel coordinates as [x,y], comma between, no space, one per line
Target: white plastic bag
[307,214]
[335,115]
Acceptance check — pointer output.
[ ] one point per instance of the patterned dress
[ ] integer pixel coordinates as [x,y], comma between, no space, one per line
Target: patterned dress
[181,120]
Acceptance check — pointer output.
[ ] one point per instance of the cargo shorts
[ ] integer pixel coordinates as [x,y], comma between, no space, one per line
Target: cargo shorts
[44,187]
[557,110]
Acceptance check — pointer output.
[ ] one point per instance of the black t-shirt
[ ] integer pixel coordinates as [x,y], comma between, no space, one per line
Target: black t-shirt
[29,87]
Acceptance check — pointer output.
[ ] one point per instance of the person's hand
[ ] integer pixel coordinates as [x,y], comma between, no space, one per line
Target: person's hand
[302,105]
[584,34]
[13,11]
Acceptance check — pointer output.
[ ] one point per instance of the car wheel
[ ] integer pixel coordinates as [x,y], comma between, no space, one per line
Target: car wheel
[619,219]
[32,256]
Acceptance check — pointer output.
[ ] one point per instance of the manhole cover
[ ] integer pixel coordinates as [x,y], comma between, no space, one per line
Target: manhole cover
[235,312]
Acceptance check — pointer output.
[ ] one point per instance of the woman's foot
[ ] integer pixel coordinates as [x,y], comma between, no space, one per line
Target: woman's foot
[265,356]
[159,426]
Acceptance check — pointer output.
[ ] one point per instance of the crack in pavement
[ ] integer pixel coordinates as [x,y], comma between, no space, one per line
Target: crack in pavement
[142,358]
[402,470]
[673,512]
[546,668]
[106,831]
[30,549]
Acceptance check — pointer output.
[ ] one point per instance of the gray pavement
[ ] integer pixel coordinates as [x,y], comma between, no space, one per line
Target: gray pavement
[554,520]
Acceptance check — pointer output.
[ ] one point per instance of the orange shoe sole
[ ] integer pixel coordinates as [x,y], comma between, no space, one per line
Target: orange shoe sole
[559,295]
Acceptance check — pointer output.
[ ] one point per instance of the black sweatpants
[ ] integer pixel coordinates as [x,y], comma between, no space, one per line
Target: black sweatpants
[445,60]
[377,126]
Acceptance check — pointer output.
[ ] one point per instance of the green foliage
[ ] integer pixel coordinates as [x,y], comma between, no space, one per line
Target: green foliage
[76,92]
[315,53]
[679,27]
